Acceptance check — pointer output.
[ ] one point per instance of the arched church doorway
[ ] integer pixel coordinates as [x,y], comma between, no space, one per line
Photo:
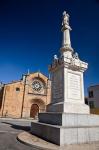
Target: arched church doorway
[34,110]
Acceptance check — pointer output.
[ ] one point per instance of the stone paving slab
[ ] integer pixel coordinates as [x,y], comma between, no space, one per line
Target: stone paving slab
[29,139]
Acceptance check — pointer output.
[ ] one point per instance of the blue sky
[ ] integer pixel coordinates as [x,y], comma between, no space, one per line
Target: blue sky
[30,34]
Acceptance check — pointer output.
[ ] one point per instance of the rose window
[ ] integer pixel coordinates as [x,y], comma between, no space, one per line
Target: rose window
[37,85]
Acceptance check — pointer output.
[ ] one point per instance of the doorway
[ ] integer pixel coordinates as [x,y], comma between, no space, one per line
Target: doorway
[34,110]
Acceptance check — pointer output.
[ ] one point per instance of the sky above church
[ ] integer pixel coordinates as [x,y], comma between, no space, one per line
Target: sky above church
[30,34]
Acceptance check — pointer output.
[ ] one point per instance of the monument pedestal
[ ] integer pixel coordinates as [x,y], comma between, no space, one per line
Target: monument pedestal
[63,128]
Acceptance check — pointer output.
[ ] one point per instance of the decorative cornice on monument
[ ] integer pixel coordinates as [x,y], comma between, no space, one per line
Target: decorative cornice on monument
[76,65]
[73,63]
[56,63]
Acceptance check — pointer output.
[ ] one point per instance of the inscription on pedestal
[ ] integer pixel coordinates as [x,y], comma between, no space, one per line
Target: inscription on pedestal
[74,86]
[57,88]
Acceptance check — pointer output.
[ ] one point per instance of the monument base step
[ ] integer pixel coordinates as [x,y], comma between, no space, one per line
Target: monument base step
[69,119]
[61,135]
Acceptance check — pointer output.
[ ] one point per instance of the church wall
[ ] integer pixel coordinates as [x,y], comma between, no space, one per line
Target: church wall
[32,97]
[12,100]
[19,96]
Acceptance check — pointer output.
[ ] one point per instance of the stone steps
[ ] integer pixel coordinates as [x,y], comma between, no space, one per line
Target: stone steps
[61,128]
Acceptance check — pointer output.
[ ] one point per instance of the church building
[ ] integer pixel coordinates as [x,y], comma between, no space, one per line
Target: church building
[26,97]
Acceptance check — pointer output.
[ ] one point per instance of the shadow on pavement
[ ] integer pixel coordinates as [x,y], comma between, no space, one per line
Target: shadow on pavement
[18,127]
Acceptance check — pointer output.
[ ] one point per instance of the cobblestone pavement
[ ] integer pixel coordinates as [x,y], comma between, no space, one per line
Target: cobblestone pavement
[9,129]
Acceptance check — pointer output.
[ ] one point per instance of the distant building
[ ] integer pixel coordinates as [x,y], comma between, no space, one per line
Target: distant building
[26,97]
[93,99]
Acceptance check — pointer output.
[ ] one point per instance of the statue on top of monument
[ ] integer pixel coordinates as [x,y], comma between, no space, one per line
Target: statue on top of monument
[65,19]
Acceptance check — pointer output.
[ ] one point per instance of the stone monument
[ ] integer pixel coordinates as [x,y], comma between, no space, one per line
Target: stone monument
[67,77]
[67,120]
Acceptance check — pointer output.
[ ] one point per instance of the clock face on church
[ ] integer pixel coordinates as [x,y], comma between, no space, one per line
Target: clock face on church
[37,86]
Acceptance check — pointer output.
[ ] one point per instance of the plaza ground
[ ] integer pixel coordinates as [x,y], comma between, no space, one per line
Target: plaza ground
[10,128]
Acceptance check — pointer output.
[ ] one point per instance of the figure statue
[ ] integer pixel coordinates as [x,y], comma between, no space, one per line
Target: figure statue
[55,60]
[55,57]
[65,19]
[76,56]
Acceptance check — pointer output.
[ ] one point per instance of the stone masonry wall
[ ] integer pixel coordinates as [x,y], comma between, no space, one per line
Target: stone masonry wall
[19,96]
[12,100]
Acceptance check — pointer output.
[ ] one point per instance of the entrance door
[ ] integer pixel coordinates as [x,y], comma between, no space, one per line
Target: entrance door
[34,110]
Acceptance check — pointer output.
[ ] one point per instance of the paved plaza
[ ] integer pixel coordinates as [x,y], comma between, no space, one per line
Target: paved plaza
[10,128]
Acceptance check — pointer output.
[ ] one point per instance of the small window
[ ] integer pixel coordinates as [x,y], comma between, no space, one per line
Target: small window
[91,94]
[91,104]
[17,89]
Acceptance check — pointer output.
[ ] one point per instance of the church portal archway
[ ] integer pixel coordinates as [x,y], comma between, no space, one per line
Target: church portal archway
[34,110]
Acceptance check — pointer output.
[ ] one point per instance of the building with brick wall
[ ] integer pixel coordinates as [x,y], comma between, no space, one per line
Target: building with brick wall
[26,97]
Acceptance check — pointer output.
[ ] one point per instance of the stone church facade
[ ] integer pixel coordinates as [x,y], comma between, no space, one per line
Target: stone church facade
[26,97]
